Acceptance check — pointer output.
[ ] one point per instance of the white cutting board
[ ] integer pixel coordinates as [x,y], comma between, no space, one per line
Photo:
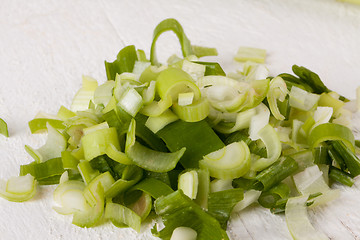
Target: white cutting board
[46,46]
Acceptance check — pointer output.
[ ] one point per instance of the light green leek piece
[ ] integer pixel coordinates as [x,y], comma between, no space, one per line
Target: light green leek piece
[232,161]
[119,215]
[3,128]
[18,189]
[251,54]
[84,95]
[277,91]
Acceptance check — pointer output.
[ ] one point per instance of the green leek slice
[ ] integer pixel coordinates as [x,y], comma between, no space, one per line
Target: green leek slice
[103,93]
[188,182]
[87,172]
[96,143]
[155,124]
[198,138]
[298,222]
[301,99]
[116,155]
[250,54]
[18,189]
[273,148]
[3,128]
[50,168]
[38,125]
[55,144]
[195,112]
[84,95]
[230,162]
[91,216]
[120,215]
[277,91]
[331,131]
[124,62]
[155,188]
[170,24]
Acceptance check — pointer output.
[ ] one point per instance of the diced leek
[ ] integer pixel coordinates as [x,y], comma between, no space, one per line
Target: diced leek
[218,185]
[131,101]
[148,94]
[250,197]
[258,121]
[96,143]
[232,161]
[87,172]
[277,91]
[18,189]
[298,222]
[55,144]
[103,93]
[152,186]
[124,62]
[42,170]
[195,112]
[117,155]
[243,120]
[3,128]
[119,215]
[157,123]
[302,99]
[185,99]
[84,95]
[188,182]
[105,180]
[195,70]
[65,114]
[250,54]
[38,125]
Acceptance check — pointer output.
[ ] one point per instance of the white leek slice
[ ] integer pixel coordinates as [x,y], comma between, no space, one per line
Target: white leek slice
[139,68]
[255,72]
[55,144]
[18,189]
[148,94]
[311,181]
[243,120]
[155,124]
[277,91]
[183,233]
[298,222]
[131,101]
[251,54]
[322,115]
[250,197]
[229,162]
[301,99]
[188,182]
[273,148]
[103,93]
[84,95]
[218,185]
[96,127]
[195,70]
[70,198]
[258,121]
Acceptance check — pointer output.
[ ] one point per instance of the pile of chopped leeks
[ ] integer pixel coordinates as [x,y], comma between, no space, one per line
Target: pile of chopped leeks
[192,144]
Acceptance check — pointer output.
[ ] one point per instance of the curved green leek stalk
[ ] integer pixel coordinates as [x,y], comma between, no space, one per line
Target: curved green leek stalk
[18,189]
[50,168]
[232,161]
[124,62]
[273,148]
[84,95]
[3,128]
[87,172]
[331,131]
[96,143]
[91,216]
[55,144]
[277,91]
[297,220]
[269,198]
[170,24]
[173,81]
[120,215]
[117,155]
[103,93]
[38,125]
[105,180]
[310,78]
[147,158]
[195,112]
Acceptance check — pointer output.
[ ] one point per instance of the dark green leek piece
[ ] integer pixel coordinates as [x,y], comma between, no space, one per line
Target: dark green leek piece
[269,198]
[124,62]
[198,138]
[212,68]
[310,78]
[177,209]
[274,174]
[152,186]
[321,155]
[221,204]
[280,204]
[340,176]
[352,162]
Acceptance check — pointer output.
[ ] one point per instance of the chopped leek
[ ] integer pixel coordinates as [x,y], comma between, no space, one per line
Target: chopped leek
[18,189]
[3,128]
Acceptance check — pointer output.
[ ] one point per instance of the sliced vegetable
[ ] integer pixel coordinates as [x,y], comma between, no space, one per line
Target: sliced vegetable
[3,128]
[18,189]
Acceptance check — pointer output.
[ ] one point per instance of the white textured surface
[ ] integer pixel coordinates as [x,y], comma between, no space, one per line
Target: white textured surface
[45,47]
